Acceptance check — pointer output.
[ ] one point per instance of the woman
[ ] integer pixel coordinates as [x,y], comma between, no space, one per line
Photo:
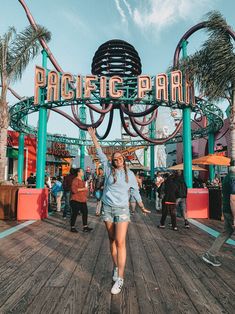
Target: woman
[119,184]
[57,192]
[78,200]
[99,187]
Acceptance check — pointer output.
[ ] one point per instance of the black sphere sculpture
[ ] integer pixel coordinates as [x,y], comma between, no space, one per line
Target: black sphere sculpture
[116,57]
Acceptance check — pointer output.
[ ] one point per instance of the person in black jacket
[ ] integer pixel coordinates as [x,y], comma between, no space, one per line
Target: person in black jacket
[181,197]
[169,202]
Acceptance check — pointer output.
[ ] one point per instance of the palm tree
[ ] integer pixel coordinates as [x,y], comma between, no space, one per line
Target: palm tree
[16,51]
[213,67]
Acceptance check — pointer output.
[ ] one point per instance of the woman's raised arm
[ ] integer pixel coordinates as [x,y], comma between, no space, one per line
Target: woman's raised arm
[91,131]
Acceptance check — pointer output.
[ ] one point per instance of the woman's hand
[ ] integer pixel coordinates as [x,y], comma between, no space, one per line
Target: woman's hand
[91,131]
[145,211]
[92,134]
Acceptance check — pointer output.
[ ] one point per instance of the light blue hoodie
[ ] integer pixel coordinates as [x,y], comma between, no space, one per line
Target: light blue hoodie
[117,194]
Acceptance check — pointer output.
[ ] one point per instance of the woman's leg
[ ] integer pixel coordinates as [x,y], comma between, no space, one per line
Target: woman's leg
[98,207]
[164,214]
[84,210]
[110,226]
[172,210]
[58,201]
[74,212]
[120,239]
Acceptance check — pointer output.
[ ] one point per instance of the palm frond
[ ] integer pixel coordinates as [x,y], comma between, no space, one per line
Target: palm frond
[4,49]
[213,66]
[25,47]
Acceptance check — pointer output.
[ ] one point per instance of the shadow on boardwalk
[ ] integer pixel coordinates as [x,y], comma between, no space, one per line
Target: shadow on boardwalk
[46,269]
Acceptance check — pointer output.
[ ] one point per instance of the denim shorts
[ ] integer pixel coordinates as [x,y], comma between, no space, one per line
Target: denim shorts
[115,214]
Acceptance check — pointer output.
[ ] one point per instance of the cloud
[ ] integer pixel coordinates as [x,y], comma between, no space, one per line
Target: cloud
[121,11]
[158,14]
[128,7]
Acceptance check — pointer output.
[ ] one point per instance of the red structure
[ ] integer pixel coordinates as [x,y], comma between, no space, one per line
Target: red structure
[58,158]
[29,154]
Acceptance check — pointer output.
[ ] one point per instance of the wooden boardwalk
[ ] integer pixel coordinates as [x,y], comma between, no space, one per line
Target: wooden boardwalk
[44,268]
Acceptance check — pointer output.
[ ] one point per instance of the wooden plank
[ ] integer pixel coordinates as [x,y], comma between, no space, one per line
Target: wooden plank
[129,298]
[194,279]
[47,298]
[98,297]
[74,294]
[26,275]
[174,296]
[26,247]
[148,289]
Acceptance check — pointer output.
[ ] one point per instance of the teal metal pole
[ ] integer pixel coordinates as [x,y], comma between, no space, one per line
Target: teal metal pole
[145,156]
[20,166]
[82,137]
[152,155]
[42,136]
[211,145]
[187,136]
[152,151]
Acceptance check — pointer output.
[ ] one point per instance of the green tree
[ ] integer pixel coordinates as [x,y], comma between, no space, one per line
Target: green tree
[16,51]
[213,67]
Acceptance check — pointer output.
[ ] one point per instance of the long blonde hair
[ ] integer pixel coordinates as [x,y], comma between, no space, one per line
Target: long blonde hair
[114,168]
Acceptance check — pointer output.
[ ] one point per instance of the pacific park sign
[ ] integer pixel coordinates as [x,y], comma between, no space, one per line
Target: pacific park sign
[172,87]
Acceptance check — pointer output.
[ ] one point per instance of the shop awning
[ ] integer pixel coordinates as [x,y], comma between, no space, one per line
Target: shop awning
[212,159]
[12,152]
[56,160]
[181,167]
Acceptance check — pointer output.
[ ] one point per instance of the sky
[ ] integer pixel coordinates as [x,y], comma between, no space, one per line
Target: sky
[153,27]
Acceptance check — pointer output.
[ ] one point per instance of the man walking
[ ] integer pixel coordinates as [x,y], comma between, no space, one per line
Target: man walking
[181,197]
[210,256]
[67,183]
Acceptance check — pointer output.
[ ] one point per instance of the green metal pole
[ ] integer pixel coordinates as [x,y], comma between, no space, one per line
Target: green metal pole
[152,154]
[20,166]
[145,156]
[152,161]
[211,145]
[42,136]
[187,136]
[83,137]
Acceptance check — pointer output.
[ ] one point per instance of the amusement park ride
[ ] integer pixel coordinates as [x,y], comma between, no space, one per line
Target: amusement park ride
[116,83]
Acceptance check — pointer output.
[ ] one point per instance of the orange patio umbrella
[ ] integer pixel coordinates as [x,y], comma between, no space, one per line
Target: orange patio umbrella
[181,167]
[212,159]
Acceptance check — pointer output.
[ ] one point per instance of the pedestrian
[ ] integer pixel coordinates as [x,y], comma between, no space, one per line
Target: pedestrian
[232,192]
[31,182]
[78,200]
[67,183]
[57,192]
[210,256]
[169,202]
[98,188]
[181,199]
[120,182]
[158,182]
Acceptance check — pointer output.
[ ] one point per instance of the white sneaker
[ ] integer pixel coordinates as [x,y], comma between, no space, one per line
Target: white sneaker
[117,287]
[115,274]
